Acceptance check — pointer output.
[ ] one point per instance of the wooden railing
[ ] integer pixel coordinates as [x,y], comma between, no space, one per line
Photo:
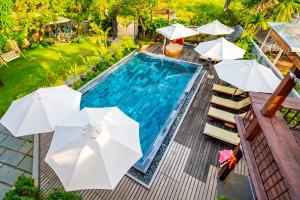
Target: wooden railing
[266,168]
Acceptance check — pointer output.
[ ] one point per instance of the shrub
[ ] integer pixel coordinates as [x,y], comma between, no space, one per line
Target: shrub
[127,44]
[18,37]
[156,23]
[47,42]
[75,40]
[79,40]
[62,195]
[246,44]
[116,51]
[33,45]
[105,55]
[24,190]
[3,41]
[222,198]
[44,43]
[54,79]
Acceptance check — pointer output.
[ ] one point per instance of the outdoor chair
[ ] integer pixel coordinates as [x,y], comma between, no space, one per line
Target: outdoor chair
[11,55]
[227,90]
[236,34]
[221,134]
[227,103]
[224,116]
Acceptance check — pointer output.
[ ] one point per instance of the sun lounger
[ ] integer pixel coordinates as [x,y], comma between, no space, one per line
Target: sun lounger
[227,90]
[224,116]
[221,134]
[235,105]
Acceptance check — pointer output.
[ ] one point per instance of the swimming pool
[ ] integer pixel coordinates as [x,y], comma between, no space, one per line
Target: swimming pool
[150,89]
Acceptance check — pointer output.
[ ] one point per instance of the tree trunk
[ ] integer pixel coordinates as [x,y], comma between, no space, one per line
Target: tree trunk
[114,24]
[142,25]
[226,6]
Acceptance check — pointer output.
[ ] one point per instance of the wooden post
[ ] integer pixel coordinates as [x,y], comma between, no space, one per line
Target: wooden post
[277,57]
[265,40]
[225,170]
[285,87]
[164,45]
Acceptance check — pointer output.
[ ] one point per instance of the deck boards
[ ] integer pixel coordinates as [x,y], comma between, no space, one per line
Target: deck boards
[189,170]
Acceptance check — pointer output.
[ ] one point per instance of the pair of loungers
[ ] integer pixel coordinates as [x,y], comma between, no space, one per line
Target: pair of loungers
[226,117]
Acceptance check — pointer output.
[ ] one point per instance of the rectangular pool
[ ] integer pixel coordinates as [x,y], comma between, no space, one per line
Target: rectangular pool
[150,89]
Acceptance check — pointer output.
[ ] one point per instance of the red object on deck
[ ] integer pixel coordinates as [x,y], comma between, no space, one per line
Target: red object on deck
[178,41]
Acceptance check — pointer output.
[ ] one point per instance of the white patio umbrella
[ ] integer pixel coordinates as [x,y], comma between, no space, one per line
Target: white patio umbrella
[214,28]
[219,49]
[247,75]
[41,110]
[94,148]
[176,31]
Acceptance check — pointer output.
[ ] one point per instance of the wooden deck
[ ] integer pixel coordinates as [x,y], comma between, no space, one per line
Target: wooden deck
[190,168]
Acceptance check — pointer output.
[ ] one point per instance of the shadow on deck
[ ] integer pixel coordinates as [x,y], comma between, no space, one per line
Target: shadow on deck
[190,168]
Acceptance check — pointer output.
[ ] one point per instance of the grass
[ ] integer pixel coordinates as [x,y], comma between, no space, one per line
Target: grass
[26,75]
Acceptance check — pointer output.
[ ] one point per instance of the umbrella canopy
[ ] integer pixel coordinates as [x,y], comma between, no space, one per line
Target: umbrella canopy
[94,148]
[247,75]
[40,111]
[219,49]
[176,31]
[214,28]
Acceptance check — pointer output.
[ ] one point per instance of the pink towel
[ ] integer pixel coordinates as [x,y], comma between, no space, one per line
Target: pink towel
[225,155]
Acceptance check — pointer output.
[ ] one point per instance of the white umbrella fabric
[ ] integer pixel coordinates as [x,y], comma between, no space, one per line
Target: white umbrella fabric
[219,49]
[175,31]
[247,75]
[94,148]
[214,28]
[40,111]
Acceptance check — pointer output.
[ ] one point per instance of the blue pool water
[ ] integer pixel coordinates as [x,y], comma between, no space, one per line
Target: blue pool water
[148,89]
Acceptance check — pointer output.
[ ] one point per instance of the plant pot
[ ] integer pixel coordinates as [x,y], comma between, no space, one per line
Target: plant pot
[36,36]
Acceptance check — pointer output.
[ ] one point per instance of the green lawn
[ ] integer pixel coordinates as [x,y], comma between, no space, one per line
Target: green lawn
[26,75]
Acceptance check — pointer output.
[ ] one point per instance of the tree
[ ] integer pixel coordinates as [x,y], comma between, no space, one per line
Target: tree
[6,20]
[125,22]
[139,9]
[254,21]
[285,8]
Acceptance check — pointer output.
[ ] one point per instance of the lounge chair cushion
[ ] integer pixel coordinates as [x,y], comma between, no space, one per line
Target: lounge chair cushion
[221,134]
[227,90]
[222,115]
[236,105]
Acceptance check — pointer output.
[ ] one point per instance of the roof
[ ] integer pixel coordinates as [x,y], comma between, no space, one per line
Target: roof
[60,20]
[289,32]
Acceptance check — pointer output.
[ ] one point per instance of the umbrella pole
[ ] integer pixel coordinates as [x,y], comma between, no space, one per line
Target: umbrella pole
[234,93]
[163,48]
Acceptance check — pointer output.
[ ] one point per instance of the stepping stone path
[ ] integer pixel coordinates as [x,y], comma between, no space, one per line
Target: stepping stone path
[15,159]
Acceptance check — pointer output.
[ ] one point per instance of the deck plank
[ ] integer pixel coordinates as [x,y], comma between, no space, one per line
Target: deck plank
[189,170]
